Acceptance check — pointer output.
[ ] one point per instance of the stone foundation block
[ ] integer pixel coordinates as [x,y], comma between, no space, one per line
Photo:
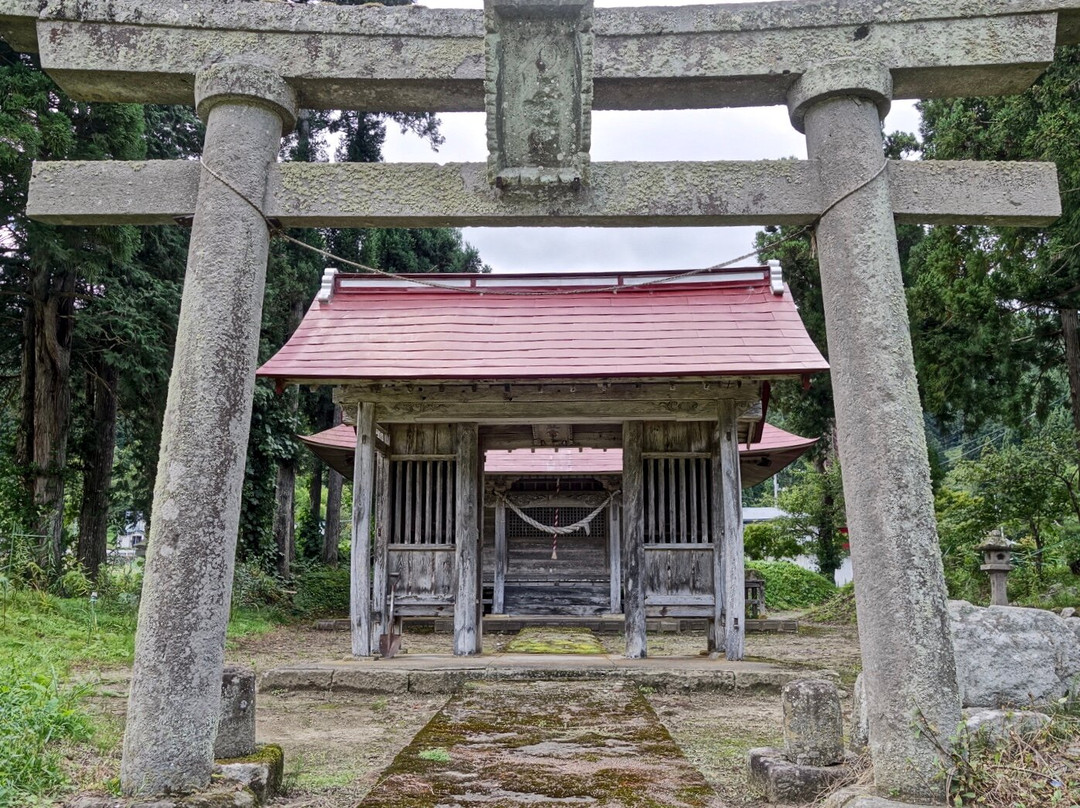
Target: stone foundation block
[298,679]
[260,773]
[787,782]
[369,680]
[236,727]
[216,797]
[435,683]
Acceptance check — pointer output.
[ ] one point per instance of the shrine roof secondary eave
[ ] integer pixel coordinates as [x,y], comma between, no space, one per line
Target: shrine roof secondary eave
[482,327]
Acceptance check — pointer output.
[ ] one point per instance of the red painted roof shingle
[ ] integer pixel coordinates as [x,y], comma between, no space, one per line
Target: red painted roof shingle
[723,323]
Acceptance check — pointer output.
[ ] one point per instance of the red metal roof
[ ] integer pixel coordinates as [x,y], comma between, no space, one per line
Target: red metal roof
[337,446]
[717,323]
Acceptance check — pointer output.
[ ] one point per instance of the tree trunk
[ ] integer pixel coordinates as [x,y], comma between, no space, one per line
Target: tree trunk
[284,524]
[332,526]
[1072,361]
[285,488]
[332,529]
[315,495]
[97,467]
[827,550]
[45,399]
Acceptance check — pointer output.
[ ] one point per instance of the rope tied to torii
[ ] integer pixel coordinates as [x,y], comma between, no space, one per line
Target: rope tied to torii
[556,529]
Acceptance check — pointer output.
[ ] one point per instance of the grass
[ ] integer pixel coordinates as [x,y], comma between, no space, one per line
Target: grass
[839,610]
[44,723]
[555,641]
[1022,769]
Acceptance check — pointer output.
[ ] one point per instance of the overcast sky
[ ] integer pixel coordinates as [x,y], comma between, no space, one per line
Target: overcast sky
[734,134]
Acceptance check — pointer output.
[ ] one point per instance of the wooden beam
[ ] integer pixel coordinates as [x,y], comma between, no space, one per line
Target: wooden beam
[360,557]
[466,540]
[619,194]
[633,542]
[731,524]
[557,412]
[380,576]
[520,436]
[615,553]
[498,598]
[717,640]
[481,515]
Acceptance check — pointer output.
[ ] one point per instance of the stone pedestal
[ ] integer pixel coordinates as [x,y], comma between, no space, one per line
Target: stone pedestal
[175,697]
[813,723]
[900,594]
[236,728]
[813,757]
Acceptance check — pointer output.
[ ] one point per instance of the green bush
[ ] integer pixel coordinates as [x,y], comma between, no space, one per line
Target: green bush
[255,588]
[36,717]
[322,592]
[789,586]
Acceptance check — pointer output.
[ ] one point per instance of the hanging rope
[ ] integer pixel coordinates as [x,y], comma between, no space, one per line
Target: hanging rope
[555,534]
[556,530]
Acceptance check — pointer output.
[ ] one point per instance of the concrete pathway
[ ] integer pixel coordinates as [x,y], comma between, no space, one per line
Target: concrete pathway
[543,743]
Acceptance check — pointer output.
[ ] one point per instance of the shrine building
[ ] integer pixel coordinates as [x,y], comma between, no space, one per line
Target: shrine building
[551,444]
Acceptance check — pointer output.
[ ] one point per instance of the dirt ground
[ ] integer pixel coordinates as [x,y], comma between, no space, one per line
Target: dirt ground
[335,749]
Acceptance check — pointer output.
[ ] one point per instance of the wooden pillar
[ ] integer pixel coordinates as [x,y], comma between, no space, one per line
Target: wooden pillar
[363,491]
[633,541]
[466,542]
[717,631]
[382,539]
[481,515]
[498,598]
[615,552]
[734,591]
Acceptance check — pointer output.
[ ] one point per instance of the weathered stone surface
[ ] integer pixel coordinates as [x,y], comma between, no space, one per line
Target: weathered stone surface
[425,195]
[175,696]
[996,724]
[791,783]
[436,682]
[426,59]
[301,680]
[861,797]
[813,723]
[1013,657]
[236,728]
[261,772]
[369,680]
[538,89]
[910,673]
[859,732]
[228,796]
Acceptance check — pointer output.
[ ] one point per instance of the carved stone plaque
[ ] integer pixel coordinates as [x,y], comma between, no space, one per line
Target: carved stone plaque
[538,92]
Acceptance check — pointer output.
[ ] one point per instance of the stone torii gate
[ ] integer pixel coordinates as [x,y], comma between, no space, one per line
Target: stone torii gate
[249,66]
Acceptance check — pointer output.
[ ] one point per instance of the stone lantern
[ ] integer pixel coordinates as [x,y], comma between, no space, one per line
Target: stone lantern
[997,561]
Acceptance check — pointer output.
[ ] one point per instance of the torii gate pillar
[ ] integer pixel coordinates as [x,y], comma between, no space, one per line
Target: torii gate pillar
[180,643]
[907,647]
